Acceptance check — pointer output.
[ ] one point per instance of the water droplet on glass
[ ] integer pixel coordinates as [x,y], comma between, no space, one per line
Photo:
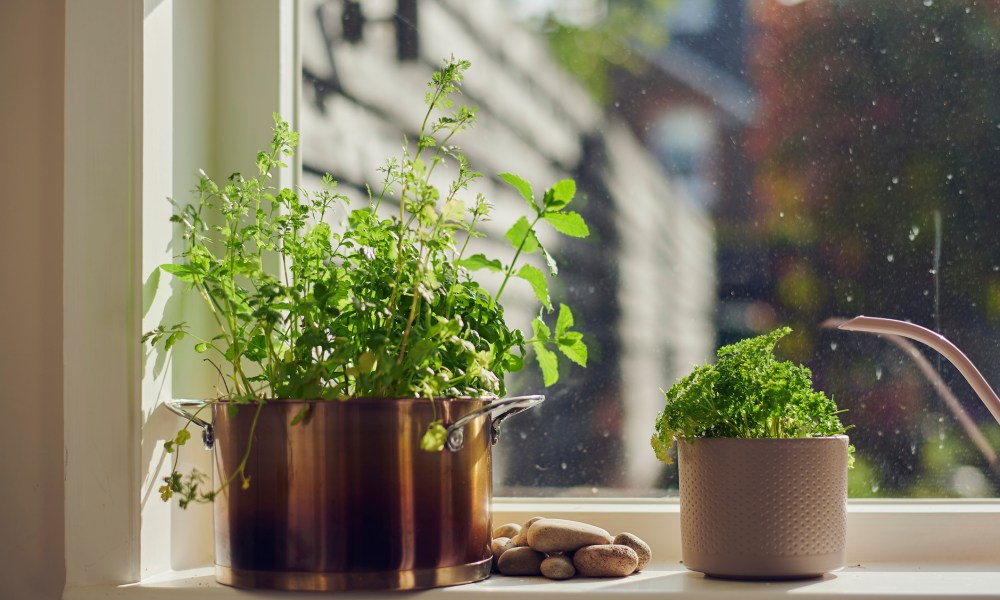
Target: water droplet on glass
[932,271]
[849,298]
[878,373]
[937,37]
[914,232]
[913,448]
[950,176]
[875,487]
[880,433]
[833,345]
[928,2]
[890,257]
[781,214]
[618,104]
[563,465]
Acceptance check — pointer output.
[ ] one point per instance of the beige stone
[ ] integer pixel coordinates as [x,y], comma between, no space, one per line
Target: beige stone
[641,548]
[558,566]
[507,530]
[521,561]
[563,535]
[609,560]
[499,546]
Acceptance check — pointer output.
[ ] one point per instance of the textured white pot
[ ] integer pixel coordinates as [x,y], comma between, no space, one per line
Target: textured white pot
[763,508]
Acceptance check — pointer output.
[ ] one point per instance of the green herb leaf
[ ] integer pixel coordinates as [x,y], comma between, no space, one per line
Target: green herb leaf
[536,278]
[568,223]
[550,263]
[479,261]
[453,211]
[548,362]
[541,331]
[559,195]
[182,436]
[522,187]
[182,272]
[522,236]
[202,347]
[434,438]
[573,349]
[366,362]
[564,321]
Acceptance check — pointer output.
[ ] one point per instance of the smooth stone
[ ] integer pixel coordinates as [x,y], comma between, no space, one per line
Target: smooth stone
[520,540]
[563,535]
[499,546]
[521,561]
[558,566]
[610,560]
[508,530]
[523,540]
[641,548]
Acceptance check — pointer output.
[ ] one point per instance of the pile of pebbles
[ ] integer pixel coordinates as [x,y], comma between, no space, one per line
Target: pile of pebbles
[560,549]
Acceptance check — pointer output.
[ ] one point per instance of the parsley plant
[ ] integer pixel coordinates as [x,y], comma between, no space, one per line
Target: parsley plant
[748,393]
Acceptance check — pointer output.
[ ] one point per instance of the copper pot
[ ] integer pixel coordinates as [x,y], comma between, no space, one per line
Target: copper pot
[347,500]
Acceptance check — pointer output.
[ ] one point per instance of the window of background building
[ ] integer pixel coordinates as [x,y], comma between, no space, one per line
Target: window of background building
[743,165]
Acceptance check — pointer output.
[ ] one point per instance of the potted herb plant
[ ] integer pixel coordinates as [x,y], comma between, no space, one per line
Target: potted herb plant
[362,366]
[763,460]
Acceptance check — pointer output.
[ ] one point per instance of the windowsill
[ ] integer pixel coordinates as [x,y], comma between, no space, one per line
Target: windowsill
[662,580]
[922,549]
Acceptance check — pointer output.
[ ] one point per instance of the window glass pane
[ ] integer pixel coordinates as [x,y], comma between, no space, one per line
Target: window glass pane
[743,165]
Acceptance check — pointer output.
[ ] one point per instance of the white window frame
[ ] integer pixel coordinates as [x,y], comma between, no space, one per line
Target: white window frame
[103,278]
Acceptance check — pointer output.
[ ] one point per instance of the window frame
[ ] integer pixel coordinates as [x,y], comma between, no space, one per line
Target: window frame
[103,308]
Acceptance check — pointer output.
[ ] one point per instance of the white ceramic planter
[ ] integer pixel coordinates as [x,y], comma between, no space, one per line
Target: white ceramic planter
[763,508]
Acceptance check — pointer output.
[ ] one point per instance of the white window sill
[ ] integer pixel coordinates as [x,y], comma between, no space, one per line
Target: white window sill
[859,582]
[913,549]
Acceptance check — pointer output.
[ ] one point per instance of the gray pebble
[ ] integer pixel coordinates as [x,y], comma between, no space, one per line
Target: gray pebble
[563,535]
[609,560]
[558,566]
[641,548]
[508,530]
[521,561]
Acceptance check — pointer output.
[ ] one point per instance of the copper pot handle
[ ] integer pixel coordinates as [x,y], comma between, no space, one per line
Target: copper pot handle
[499,410]
[207,429]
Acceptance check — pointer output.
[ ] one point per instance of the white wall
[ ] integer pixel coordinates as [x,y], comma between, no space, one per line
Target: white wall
[31,248]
